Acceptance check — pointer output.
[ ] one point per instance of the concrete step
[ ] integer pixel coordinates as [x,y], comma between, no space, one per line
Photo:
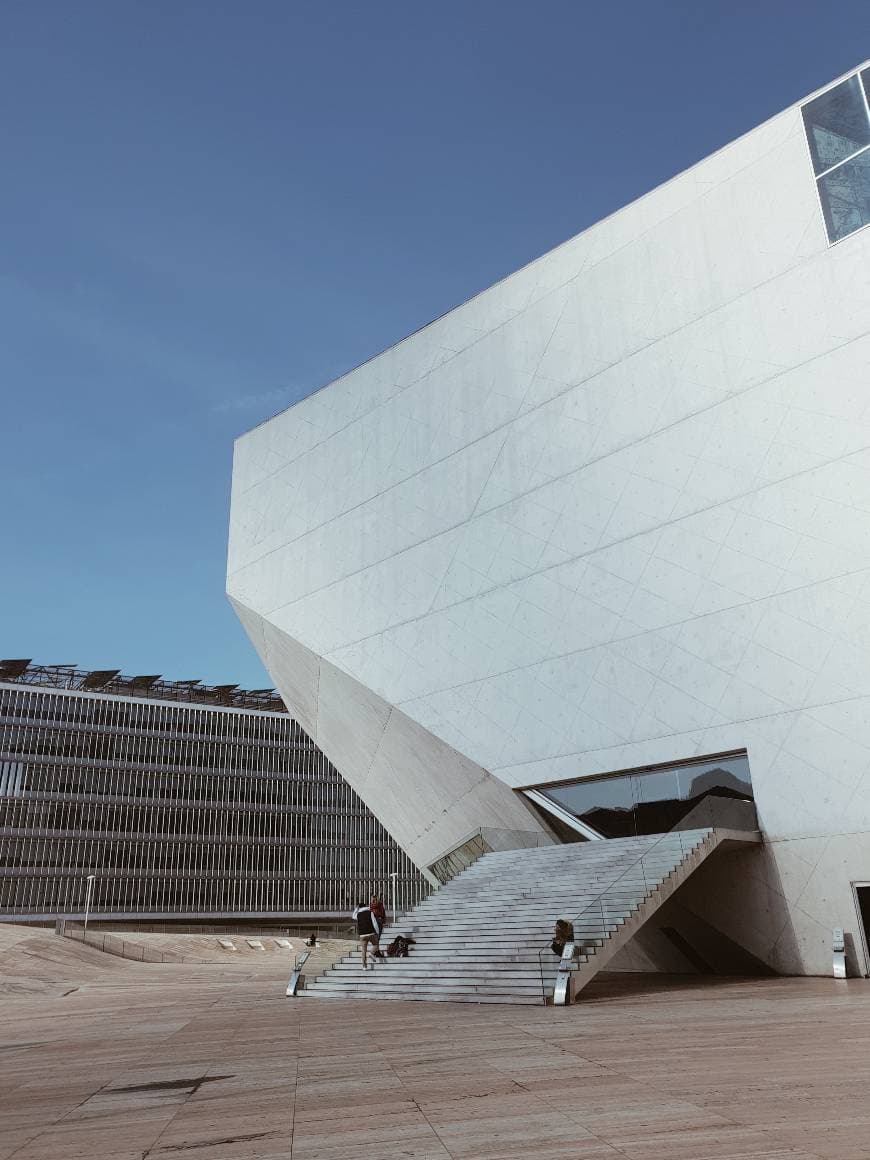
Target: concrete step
[474,936]
[553,893]
[437,978]
[420,995]
[440,984]
[556,901]
[448,954]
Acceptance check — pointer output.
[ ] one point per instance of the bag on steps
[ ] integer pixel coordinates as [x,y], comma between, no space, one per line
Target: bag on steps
[398,948]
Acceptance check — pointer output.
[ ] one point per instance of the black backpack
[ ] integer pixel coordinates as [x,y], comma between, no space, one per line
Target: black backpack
[398,948]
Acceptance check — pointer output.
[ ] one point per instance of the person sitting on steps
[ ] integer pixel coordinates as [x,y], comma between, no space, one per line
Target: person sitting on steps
[563,933]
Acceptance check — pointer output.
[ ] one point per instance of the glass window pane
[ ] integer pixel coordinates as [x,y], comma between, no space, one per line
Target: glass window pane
[605,804]
[845,194]
[837,124]
[657,795]
[865,76]
[727,777]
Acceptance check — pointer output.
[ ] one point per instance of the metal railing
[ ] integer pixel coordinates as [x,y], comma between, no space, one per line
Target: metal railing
[619,900]
[297,979]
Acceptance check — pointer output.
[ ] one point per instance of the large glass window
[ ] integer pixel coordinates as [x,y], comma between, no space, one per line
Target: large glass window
[838,133]
[653,801]
[845,193]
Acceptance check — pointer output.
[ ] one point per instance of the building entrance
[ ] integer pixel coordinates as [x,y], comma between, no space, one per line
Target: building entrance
[862,904]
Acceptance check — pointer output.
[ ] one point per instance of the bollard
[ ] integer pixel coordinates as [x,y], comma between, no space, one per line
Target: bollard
[566,984]
[838,947]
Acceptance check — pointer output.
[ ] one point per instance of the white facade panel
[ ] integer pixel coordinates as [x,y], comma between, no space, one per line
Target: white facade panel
[611,512]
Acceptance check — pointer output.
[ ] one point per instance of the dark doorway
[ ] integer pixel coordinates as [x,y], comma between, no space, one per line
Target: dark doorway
[862,901]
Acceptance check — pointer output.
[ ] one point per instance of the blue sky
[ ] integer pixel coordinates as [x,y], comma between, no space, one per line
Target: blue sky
[209,209]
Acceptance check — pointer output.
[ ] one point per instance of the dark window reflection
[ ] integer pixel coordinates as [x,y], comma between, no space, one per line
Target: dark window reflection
[605,804]
[845,194]
[837,124]
[654,801]
[727,777]
[657,801]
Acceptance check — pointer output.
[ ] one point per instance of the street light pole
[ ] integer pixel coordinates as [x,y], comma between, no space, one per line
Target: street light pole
[394,875]
[91,880]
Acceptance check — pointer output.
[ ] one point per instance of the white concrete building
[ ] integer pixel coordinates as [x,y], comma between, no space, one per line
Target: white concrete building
[611,513]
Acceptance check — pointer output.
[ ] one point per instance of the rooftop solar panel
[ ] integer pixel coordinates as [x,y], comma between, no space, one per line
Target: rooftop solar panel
[98,678]
[144,684]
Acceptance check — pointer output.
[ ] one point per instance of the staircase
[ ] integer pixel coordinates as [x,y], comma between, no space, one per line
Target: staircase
[484,937]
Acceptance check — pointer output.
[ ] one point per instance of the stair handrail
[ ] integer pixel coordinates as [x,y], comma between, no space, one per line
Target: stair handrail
[578,942]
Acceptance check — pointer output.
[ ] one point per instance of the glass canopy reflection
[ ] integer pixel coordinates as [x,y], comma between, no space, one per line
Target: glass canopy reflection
[651,801]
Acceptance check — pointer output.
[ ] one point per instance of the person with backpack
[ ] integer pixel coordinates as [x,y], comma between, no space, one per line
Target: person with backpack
[368,931]
[380,913]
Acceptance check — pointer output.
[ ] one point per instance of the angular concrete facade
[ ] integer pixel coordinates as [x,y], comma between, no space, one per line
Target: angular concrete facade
[611,512]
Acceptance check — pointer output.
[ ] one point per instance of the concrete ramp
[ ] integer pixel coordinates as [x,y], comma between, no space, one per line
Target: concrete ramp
[484,937]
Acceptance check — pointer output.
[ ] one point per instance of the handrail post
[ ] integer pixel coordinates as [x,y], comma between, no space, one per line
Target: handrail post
[297,976]
[563,992]
[91,879]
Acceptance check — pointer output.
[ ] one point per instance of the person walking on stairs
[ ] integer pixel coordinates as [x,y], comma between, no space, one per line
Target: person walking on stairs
[367,931]
[379,911]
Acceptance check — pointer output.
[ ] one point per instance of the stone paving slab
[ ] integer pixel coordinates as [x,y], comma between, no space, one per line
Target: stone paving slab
[106,1059]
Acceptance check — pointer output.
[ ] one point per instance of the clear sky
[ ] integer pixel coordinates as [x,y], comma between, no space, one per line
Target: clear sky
[210,208]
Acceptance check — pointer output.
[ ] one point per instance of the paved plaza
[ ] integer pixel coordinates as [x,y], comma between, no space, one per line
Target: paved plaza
[105,1058]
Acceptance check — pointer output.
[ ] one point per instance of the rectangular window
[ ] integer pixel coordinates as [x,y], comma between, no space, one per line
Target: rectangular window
[837,125]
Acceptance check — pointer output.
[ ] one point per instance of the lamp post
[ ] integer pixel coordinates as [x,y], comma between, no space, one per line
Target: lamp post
[91,880]
[394,874]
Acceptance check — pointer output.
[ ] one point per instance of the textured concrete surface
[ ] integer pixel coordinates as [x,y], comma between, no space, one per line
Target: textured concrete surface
[114,1060]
